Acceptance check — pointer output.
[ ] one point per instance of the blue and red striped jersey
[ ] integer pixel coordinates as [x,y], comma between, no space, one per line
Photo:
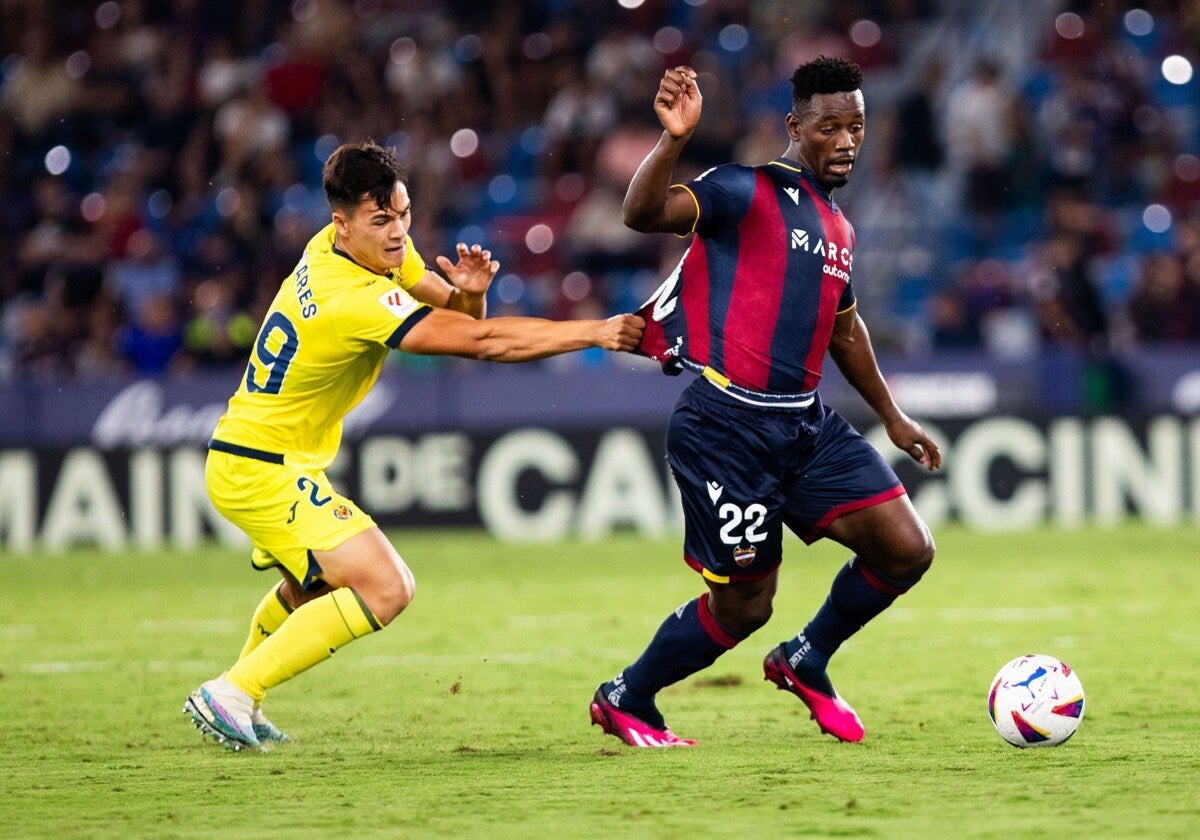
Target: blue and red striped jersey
[755,296]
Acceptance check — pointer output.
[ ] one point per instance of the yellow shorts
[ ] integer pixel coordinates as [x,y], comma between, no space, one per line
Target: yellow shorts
[286,511]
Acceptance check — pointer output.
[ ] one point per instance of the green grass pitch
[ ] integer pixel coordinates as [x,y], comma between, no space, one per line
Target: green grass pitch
[468,717]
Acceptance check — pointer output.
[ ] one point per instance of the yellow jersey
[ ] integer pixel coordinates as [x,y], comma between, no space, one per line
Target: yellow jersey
[318,352]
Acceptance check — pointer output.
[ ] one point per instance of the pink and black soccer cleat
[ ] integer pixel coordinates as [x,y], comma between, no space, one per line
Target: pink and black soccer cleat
[832,714]
[633,731]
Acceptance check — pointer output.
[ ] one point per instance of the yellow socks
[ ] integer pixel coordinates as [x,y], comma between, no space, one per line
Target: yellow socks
[310,635]
[271,613]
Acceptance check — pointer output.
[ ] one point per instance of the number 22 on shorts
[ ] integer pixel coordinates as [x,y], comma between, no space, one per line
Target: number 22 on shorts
[303,483]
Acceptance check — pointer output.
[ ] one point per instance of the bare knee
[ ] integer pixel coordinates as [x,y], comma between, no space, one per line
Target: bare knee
[741,615]
[368,564]
[923,552]
[390,595]
[757,615]
[911,556]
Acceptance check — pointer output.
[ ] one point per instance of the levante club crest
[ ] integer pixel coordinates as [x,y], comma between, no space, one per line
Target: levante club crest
[744,556]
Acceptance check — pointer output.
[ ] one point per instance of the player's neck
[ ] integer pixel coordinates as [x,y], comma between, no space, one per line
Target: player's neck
[793,155]
[339,247]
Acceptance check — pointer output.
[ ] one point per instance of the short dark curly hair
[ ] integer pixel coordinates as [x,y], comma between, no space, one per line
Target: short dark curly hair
[823,75]
[357,170]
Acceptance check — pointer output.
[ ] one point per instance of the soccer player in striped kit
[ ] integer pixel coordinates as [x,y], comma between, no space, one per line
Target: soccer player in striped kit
[763,292]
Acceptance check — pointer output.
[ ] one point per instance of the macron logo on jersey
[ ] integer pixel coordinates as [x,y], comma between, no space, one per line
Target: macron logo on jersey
[793,194]
[398,303]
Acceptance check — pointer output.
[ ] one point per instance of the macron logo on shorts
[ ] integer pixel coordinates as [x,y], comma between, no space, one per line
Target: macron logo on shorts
[714,491]
[399,303]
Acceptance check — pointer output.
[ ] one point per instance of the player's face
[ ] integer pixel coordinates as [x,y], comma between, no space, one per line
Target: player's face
[828,135]
[375,236]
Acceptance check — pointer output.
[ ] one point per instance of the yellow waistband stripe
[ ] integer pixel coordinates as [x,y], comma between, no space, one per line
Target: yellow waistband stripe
[714,377]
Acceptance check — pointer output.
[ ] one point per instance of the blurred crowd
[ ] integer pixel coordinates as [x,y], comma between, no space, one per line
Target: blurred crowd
[1031,174]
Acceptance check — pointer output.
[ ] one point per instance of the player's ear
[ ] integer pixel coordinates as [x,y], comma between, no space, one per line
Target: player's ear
[341,224]
[792,123]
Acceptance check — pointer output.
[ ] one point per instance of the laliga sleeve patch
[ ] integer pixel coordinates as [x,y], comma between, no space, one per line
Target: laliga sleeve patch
[399,303]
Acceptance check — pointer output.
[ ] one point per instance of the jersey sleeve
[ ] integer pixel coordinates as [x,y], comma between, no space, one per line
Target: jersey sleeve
[722,195]
[379,312]
[413,267]
[847,300]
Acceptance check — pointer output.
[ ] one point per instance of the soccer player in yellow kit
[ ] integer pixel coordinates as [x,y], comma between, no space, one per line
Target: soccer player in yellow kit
[359,290]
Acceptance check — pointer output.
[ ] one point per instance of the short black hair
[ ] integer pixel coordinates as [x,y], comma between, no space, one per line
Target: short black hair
[355,170]
[823,75]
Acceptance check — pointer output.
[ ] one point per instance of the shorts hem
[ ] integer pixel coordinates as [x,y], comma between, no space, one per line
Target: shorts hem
[817,531]
[710,575]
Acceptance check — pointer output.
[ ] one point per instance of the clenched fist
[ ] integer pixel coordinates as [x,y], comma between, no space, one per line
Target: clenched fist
[620,332]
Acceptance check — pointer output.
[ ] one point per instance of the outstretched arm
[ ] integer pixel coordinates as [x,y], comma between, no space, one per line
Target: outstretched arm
[446,333]
[470,278]
[851,350]
[650,205]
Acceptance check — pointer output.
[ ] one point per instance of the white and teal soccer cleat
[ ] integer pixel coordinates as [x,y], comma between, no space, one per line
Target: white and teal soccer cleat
[264,730]
[222,710]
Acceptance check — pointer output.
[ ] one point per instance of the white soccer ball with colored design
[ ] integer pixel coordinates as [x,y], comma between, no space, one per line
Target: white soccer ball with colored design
[1036,701]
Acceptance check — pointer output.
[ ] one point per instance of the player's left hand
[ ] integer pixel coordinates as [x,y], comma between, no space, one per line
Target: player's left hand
[908,436]
[473,272]
[678,101]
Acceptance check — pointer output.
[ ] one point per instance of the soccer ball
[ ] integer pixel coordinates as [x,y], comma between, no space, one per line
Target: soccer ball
[1036,701]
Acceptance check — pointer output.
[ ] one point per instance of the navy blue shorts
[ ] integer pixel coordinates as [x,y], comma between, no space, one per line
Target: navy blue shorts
[744,472]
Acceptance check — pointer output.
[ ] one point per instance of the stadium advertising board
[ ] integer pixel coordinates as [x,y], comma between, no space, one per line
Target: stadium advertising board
[536,453]
[537,483]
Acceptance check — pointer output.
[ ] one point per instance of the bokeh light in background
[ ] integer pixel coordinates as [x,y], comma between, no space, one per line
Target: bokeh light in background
[1069,25]
[58,160]
[539,238]
[1177,70]
[576,286]
[1157,218]
[1139,22]
[509,288]
[228,201]
[403,50]
[78,64]
[667,40]
[464,143]
[865,33]
[159,204]
[1187,167]
[92,207]
[502,189]
[734,37]
[107,14]
[467,48]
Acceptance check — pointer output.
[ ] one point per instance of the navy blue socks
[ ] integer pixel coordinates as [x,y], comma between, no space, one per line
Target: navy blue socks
[688,641]
[859,593]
